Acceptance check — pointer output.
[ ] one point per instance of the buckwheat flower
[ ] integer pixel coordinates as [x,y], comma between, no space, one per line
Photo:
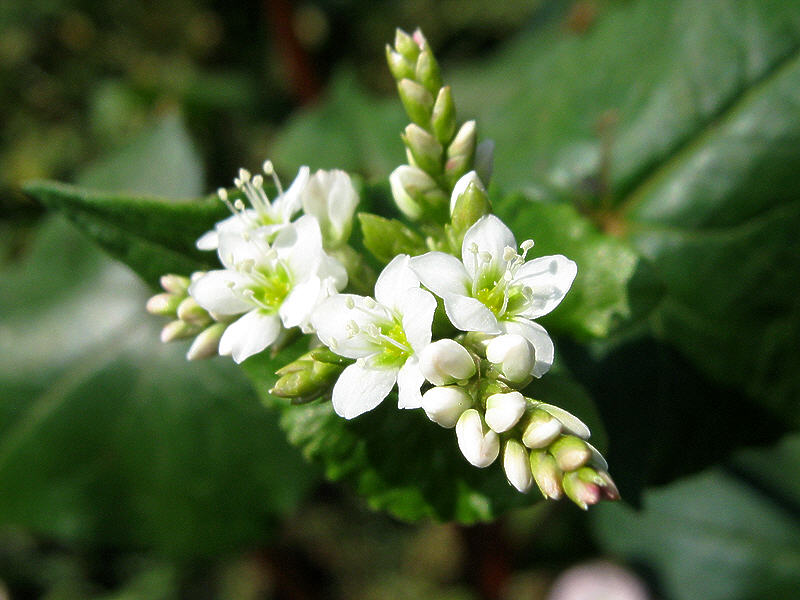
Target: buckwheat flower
[493,290]
[262,213]
[273,286]
[385,335]
[332,199]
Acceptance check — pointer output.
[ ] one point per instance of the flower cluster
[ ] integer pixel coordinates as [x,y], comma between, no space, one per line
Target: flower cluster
[288,270]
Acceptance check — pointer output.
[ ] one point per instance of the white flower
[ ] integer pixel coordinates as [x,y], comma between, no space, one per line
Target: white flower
[271,215]
[385,335]
[274,286]
[332,199]
[493,290]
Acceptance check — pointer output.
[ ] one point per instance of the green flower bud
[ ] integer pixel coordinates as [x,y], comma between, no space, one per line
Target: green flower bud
[546,474]
[541,429]
[416,193]
[461,153]
[570,452]
[406,46]
[398,65]
[178,330]
[582,492]
[191,312]
[310,376]
[165,305]
[426,152]
[443,117]
[417,101]
[470,205]
[175,284]
[427,71]
[206,344]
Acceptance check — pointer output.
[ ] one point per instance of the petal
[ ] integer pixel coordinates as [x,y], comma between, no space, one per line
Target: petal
[298,305]
[300,246]
[331,318]
[214,291]
[288,203]
[208,241]
[549,279]
[441,273]
[469,314]
[461,186]
[537,336]
[409,382]
[394,280]
[416,307]
[249,335]
[360,389]
[490,235]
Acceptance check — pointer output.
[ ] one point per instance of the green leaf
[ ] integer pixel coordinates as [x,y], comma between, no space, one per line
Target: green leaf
[108,436]
[386,238]
[717,536]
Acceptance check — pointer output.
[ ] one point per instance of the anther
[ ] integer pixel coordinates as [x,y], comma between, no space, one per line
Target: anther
[268,167]
[223,194]
[349,303]
[258,181]
[244,175]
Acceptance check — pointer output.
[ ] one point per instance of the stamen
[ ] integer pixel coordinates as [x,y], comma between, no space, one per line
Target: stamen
[508,253]
[349,303]
[269,171]
[244,175]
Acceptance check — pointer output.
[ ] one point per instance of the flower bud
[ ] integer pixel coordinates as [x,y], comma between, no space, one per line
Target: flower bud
[514,356]
[409,187]
[163,304]
[444,405]
[504,410]
[484,160]
[417,101]
[479,445]
[398,65]
[177,330]
[581,492]
[427,71]
[206,344]
[443,117]
[191,312]
[406,45]
[570,452]
[546,474]
[517,465]
[331,197]
[461,187]
[570,422]
[541,429]
[309,376]
[426,152]
[175,284]
[446,361]
[461,152]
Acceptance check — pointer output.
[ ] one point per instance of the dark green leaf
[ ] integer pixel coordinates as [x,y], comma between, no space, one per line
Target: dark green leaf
[716,536]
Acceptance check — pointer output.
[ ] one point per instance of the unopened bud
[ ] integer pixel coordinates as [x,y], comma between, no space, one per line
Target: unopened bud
[461,152]
[191,312]
[514,356]
[414,191]
[175,284]
[546,474]
[570,452]
[517,465]
[581,492]
[444,405]
[443,117]
[503,411]
[570,422]
[427,71]
[426,152]
[417,101]
[398,65]
[484,160]
[164,305]
[406,45]
[446,361]
[461,187]
[177,330]
[541,429]
[206,344]
[309,376]
[479,444]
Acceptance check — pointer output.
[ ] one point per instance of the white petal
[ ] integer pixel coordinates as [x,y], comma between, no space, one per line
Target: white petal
[214,292]
[208,241]
[298,305]
[461,186]
[331,318]
[469,314]
[503,411]
[490,235]
[446,361]
[288,203]
[359,389]
[537,336]
[441,273]
[409,382]
[394,280]
[300,246]
[416,307]
[479,444]
[249,335]
[517,466]
[570,422]
[549,278]
[332,199]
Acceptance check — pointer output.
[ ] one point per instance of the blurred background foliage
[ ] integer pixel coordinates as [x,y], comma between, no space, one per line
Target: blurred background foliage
[658,142]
